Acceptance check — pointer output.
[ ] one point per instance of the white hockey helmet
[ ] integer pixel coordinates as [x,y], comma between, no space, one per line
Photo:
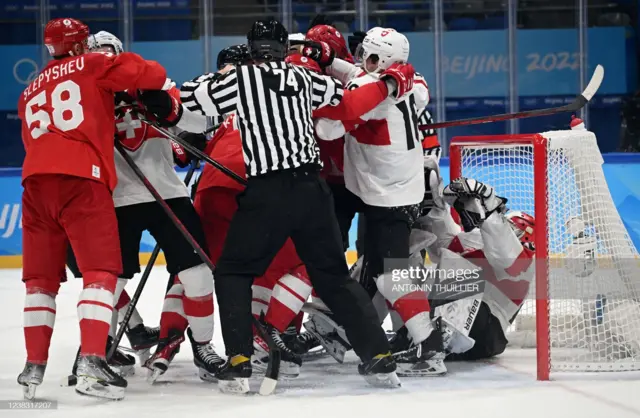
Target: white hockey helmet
[385,47]
[104,39]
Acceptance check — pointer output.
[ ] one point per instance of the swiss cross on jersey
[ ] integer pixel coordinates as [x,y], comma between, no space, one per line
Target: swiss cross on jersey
[130,130]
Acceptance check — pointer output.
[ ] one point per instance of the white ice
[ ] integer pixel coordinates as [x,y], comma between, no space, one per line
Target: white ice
[505,387]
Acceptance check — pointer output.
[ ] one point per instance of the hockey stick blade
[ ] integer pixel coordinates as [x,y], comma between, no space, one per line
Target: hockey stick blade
[579,102]
[270,381]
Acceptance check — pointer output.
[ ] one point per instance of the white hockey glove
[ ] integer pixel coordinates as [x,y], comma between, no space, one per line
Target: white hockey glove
[473,200]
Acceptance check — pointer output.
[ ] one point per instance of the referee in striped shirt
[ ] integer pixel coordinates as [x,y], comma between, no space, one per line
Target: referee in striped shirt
[284,197]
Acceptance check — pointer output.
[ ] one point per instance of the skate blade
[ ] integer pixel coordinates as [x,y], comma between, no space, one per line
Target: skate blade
[237,386]
[153,375]
[29,391]
[268,386]
[92,387]
[207,376]
[424,369]
[334,348]
[315,354]
[383,380]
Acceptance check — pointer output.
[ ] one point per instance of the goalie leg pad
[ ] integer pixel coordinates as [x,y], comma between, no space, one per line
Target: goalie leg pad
[331,336]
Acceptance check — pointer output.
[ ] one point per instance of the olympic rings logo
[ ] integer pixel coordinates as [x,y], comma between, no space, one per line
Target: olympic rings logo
[25,71]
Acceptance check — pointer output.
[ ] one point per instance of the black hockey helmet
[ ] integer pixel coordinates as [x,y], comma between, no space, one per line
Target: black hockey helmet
[268,40]
[234,55]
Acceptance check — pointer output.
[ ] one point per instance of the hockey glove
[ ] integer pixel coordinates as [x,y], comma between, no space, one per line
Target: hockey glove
[355,40]
[320,52]
[181,156]
[166,108]
[402,74]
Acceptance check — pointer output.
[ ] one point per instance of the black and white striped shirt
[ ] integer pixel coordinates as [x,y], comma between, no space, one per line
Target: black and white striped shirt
[274,103]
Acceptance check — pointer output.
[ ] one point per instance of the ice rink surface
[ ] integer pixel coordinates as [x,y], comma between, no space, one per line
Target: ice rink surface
[505,387]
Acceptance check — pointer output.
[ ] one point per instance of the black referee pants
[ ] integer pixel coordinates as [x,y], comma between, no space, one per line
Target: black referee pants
[297,204]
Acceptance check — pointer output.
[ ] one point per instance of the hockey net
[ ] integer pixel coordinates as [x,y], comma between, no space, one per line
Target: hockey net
[583,312]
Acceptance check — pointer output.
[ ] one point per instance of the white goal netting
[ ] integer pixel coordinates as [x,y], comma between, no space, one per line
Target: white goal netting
[594,276]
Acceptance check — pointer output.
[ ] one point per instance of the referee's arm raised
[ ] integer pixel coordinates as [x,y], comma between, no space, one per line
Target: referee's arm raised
[213,94]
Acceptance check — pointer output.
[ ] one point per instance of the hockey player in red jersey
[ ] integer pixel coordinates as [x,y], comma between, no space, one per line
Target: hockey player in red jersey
[68,176]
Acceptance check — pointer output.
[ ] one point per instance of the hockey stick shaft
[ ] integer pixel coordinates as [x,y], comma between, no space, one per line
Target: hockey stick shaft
[143,282]
[195,151]
[579,102]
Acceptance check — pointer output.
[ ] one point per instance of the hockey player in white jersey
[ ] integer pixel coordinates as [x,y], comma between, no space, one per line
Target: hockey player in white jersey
[383,167]
[190,295]
[497,248]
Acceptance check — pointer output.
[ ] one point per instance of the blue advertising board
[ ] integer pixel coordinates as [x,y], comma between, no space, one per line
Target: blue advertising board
[621,173]
[475,63]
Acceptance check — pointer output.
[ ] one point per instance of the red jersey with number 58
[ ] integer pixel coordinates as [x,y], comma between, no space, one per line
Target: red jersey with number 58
[67,113]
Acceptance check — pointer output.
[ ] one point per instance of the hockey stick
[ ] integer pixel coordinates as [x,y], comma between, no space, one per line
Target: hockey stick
[579,102]
[269,384]
[143,281]
[195,151]
[71,379]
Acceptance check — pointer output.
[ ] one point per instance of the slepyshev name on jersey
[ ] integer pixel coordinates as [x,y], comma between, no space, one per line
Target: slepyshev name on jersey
[54,73]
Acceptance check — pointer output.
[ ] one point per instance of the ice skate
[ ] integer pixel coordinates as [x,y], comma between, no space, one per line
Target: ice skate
[142,339]
[329,334]
[234,375]
[122,363]
[167,348]
[400,341]
[290,362]
[31,377]
[380,371]
[206,359]
[307,346]
[95,378]
[425,358]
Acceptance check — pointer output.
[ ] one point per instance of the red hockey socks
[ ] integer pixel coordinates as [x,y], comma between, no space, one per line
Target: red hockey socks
[288,296]
[122,305]
[95,310]
[39,318]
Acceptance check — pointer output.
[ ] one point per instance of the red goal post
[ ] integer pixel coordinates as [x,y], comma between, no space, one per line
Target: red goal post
[557,177]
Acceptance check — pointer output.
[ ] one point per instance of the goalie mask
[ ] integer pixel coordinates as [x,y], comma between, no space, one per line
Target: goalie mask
[524,226]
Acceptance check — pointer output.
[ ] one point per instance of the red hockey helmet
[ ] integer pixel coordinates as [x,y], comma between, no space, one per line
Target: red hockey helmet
[524,225]
[333,37]
[309,64]
[62,37]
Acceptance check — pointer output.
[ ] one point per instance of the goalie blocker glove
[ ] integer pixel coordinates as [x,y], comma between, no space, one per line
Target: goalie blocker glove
[166,108]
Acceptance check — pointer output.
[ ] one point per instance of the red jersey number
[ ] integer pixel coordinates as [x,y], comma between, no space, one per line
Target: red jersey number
[66,109]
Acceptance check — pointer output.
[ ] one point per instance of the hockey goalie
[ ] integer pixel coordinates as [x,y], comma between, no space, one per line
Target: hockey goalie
[482,275]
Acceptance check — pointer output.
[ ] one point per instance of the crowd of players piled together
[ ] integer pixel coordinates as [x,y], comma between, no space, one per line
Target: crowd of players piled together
[369,164]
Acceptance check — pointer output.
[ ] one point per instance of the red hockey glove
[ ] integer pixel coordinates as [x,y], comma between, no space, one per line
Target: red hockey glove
[166,108]
[402,74]
[320,52]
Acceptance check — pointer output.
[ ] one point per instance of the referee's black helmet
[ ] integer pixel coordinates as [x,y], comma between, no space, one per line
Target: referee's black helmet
[268,40]
[234,55]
